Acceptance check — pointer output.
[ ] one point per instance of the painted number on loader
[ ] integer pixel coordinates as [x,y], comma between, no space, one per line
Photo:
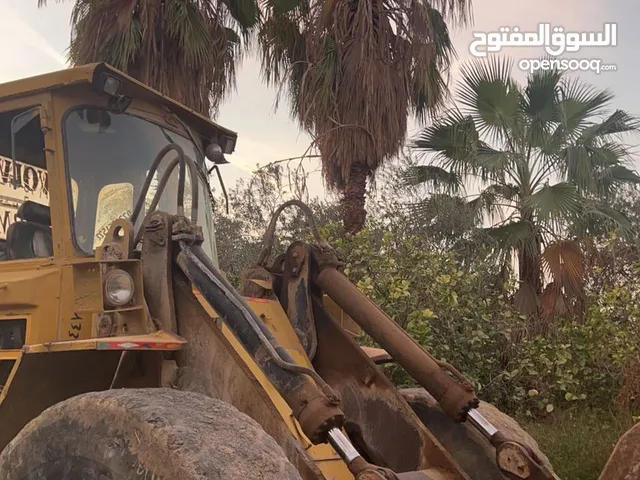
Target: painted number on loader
[76,326]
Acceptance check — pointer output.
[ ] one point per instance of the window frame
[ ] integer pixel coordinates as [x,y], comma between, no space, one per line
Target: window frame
[42,102]
[133,112]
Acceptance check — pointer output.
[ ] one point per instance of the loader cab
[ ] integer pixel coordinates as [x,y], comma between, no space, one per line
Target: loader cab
[109,152]
[76,150]
[101,133]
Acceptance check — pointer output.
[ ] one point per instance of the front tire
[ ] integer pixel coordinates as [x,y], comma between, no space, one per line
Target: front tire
[146,434]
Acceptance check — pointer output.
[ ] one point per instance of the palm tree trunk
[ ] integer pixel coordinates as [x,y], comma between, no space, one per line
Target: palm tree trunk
[530,274]
[530,270]
[354,214]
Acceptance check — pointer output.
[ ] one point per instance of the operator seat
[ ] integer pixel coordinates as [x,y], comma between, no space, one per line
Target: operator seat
[30,237]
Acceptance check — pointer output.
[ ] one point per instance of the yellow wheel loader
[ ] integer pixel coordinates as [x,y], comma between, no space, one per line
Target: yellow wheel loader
[126,354]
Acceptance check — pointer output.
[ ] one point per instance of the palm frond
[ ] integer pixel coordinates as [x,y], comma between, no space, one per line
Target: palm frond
[599,218]
[609,179]
[186,50]
[353,71]
[596,168]
[489,201]
[618,122]
[436,178]
[577,165]
[455,11]
[492,163]
[440,205]
[518,235]
[453,138]
[563,260]
[578,102]
[245,12]
[429,87]
[540,104]
[281,8]
[554,203]
[490,95]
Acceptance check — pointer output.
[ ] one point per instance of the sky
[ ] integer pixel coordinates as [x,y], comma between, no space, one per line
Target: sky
[35,42]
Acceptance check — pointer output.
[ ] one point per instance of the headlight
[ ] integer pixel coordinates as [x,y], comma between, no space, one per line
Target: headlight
[118,288]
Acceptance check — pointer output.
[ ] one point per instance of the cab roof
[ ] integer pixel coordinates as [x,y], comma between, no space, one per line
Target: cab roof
[89,74]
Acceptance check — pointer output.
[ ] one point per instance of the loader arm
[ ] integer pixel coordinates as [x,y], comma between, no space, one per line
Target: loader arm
[318,267]
[310,391]
[329,403]
[120,330]
[314,404]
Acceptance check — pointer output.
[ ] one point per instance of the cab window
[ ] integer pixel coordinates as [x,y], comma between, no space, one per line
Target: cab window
[25,220]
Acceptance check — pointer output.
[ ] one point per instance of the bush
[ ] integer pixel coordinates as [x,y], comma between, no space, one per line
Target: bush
[454,298]
[462,312]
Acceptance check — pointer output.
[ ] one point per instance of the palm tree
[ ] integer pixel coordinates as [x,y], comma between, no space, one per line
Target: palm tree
[353,71]
[546,157]
[183,48]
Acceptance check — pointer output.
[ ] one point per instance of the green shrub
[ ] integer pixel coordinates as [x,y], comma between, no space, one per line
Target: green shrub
[461,312]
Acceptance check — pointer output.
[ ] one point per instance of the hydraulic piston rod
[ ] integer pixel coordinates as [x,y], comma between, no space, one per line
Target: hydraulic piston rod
[458,400]
[455,399]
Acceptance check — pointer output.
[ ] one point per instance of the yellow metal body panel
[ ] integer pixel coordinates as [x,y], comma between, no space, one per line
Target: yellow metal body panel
[59,298]
[84,74]
[29,290]
[326,458]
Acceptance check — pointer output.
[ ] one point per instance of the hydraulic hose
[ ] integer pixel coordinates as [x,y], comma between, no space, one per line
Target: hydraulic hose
[315,408]
[183,160]
[159,191]
[271,229]
[264,334]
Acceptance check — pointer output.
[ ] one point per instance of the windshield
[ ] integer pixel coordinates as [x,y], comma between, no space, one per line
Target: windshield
[109,156]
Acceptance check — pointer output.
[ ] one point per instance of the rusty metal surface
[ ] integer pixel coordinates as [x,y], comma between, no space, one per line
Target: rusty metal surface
[210,365]
[118,241]
[139,370]
[295,295]
[467,445]
[378,355]
[624,462]
[379,421]
[257,282]
[324,455]
[512,460]
[518,461]
[157,265]
[430,474]
[454,397]
[313,402]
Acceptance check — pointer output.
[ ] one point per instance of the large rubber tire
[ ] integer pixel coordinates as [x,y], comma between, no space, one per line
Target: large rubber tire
[469,448]
[147,434]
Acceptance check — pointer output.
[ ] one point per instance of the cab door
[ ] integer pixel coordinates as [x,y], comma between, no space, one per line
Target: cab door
[29,276]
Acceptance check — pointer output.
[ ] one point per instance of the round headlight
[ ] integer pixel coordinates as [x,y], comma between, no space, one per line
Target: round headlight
[118,288]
